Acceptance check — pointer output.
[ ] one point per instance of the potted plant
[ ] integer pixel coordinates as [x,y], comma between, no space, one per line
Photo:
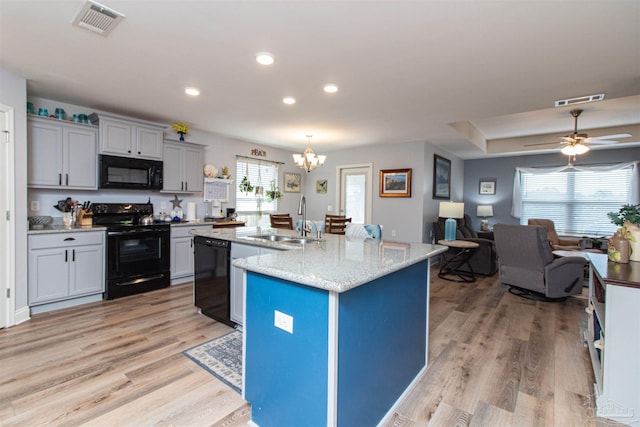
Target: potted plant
[245,185]
[225,172]
[274,192]
[628,217]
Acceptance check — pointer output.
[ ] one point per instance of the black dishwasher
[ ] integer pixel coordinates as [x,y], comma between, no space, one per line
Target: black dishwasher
[211,268]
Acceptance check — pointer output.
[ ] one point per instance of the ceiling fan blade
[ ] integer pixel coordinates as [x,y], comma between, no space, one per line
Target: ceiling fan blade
[602,142]
[543,143]
[620,135]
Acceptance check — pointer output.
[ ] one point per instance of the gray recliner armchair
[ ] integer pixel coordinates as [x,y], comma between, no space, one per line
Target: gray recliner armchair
[483,261]
[526,262]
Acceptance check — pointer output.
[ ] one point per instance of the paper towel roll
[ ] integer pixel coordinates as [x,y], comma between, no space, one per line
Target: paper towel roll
[191,211]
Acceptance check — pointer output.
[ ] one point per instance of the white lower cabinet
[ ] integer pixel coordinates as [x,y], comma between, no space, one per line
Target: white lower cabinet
[237,278]
[182,252]
[65,265]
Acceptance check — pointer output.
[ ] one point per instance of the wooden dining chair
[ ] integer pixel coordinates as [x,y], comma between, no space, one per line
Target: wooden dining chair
[327,217]
[281,221]
[337,225]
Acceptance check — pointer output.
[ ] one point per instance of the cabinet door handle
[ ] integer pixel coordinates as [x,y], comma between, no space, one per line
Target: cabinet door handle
[181,185]
[129,151]
[138,153]
[66,255]
[59,179]
[66,178]
[192,242]
[69,239]
[73,255]
[186,186]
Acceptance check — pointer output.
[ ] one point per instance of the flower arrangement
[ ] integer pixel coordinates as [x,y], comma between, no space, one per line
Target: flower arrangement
[225,171]
[181,128]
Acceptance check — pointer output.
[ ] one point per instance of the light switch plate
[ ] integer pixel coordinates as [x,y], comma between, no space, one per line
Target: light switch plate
[283,321]
[35,205]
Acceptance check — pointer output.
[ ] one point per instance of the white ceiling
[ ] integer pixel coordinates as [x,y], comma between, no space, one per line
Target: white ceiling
[406,70]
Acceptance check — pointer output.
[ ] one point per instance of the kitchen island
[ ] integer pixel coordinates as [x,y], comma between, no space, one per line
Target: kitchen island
[335,330]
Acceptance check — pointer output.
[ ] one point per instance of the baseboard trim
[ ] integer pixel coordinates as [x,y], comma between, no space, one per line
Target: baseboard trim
[22,315]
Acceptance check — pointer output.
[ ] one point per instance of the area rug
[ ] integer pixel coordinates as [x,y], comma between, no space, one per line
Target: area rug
[222,357]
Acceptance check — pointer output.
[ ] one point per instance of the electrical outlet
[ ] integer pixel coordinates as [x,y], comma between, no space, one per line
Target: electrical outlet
[283,321]
[329,208]
[393,233]
[163,206]
[35,205]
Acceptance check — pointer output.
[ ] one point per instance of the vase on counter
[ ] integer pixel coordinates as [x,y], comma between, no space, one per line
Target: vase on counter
[632,234]
[618,249]
[181,136]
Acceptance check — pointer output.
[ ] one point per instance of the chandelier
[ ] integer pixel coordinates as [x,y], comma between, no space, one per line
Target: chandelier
[309,160]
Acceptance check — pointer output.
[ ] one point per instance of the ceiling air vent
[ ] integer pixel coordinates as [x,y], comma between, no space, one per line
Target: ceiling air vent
[97,18]
[580,100]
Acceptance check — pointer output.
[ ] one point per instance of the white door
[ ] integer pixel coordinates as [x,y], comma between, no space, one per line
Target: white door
[355,195]
[7,210]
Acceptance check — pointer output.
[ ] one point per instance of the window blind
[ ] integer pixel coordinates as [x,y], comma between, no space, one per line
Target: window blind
[259,173]
[576,201]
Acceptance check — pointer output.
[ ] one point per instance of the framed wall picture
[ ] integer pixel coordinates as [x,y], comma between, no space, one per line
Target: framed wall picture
[395,183]
[441,178]
[291,182]
[321,186]
[487,186]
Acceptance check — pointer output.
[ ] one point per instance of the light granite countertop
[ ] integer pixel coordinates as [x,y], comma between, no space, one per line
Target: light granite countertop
[335,263]
[59,228]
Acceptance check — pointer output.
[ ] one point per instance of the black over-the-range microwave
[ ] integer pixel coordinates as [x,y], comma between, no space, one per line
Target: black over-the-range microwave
[129,173]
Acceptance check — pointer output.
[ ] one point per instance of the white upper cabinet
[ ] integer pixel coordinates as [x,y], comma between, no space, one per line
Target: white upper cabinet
[183,167]
[120,136]
[61,154]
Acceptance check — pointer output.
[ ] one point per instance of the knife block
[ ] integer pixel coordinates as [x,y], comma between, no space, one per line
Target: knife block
[85,218]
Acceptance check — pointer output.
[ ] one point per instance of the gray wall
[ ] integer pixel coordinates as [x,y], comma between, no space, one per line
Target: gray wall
[503,169]
[13,93]
[410,217]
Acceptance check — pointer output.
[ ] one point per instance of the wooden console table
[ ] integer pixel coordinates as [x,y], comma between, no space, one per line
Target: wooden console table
[613,338]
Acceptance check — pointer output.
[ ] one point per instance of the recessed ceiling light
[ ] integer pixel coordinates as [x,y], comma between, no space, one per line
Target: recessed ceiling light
[330,88]
[289,100]
[192,91]
[264,58]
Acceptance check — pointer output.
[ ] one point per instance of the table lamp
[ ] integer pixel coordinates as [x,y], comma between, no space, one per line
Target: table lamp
[450,210]
[485,211]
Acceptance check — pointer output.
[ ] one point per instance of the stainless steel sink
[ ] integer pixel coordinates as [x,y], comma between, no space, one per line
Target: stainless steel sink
[271,237]
[284,239]
[300,240]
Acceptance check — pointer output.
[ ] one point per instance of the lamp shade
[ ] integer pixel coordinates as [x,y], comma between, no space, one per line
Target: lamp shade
[451,210]
[485,210]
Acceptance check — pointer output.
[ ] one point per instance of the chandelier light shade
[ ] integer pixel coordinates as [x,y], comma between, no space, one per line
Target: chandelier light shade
[309,160]
[575,149]
[450,210]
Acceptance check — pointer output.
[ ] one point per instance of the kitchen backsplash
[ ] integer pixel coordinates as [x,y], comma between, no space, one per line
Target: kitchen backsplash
[46,199]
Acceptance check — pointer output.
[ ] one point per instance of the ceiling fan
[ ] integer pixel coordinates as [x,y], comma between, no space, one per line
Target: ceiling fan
[575,143]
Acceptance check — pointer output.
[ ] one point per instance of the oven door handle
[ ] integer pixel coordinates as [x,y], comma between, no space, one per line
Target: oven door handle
[139,230]
[141,280]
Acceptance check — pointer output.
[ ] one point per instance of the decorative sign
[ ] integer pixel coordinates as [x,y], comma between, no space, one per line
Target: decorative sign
[259,153]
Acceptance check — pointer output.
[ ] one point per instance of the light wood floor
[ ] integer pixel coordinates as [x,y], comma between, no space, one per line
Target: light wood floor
[495,360]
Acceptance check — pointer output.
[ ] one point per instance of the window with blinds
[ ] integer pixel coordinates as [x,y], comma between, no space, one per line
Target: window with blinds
[576,201]
[259,173]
